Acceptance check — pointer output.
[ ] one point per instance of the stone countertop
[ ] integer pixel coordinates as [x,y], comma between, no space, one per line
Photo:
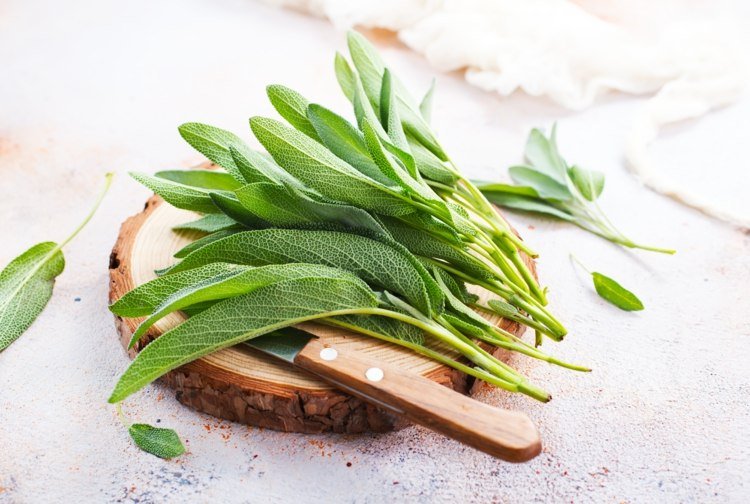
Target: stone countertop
[89,87]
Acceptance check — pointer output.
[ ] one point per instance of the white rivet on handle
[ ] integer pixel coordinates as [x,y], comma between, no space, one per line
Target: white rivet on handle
[329,354]
[374,374]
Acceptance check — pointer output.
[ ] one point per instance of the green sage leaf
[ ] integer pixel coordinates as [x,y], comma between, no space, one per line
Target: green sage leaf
[26,283]
[375,262]
[345,141]
[527,204]
[287,207]
[611,291]
[344,76]
[234,281]
[164,443]
[195,245]
[241,318]
[214,143]
[204,179]
[542,154]
[209,223]
[545,186]
[370,67]
[317,167]
[179,195]
[425,106]
[588,182]
[26,287]
[292,106]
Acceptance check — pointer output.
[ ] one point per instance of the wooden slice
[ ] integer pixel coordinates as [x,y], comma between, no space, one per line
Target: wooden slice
[238,383]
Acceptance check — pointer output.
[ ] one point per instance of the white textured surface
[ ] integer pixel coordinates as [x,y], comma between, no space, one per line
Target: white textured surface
[94,86]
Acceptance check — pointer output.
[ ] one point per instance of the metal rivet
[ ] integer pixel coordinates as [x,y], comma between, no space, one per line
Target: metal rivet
[374,374]
[329,354]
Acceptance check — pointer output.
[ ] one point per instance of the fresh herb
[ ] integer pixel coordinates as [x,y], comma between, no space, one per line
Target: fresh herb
[27,281]
[365,225]
[610,290]
[164,443]
[549,186]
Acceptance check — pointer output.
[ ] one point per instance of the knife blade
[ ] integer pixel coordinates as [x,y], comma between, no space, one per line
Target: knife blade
[509,435]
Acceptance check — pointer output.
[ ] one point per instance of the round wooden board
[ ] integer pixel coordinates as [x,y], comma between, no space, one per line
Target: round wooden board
[238,383]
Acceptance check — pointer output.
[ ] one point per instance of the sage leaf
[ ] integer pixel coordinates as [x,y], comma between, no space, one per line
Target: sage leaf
[425,106]
[144,299]
[544,185]
[179,195]
[420,243]
[230,322]
[287,207]
[375,262]
[429,165]
[26,283]
[256,167]
[231,206]
[214,143]
[611,291]
[527,204]
[317,167]
[494,187]
[370,67]
[503,309]
[164,443]
[344,76]
[541,153]
[236,280]
[26,287]
[292,106]
[205,179]
[588,182]
[389,116]
[345,141]
[209,223]
[195,245]
[394,171]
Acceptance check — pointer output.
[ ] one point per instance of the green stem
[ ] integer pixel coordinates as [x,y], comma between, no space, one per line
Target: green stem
[107,183]
[428,352]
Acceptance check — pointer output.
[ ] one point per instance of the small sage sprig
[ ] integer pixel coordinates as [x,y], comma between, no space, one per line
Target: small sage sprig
[611,290]
[548,185]
[27,281]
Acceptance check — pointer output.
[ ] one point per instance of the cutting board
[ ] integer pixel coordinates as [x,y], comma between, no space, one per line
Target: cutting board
[239,383]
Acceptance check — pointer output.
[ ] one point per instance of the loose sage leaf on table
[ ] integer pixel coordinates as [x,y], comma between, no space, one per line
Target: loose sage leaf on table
[26,283]
[164,443]
[612,291]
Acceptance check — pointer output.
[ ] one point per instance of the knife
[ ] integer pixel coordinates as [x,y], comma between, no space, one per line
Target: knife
[509,435]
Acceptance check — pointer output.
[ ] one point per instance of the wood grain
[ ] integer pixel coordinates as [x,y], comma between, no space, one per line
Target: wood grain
[240,384]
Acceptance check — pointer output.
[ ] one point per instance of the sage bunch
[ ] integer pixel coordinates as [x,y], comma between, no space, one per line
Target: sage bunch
[366,225]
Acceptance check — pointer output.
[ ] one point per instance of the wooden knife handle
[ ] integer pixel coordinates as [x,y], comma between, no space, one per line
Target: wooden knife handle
[509,435]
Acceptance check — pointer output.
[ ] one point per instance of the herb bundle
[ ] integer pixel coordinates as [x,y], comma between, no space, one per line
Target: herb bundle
[367,226]
[547,185]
